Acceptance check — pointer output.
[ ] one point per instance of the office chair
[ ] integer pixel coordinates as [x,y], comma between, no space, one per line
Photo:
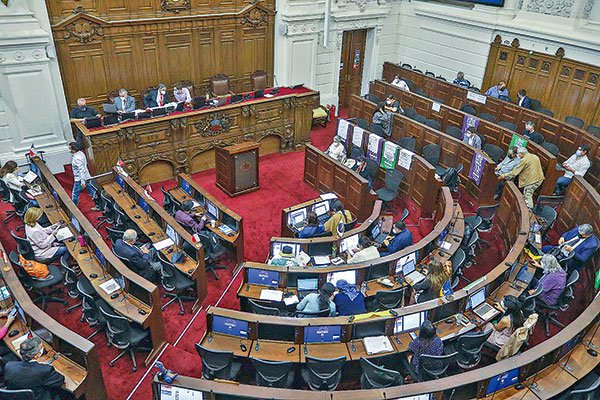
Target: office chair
[441,78]
[458,262]
[258,80]
[218,364]
[505,98]
[378,130]
[304,314]
[406,66]
[373,98]
[388,299]
[472,222]
[323,373]
[212,250]
[545,111]
[487,117]
[574,121]
[19,206]
[122,222]
[43,288]
[467,108]
[431,153]
[551,201]
[434,367]
[454,131]
[350,225]
[20,394]
[376,377]
[433,124]
[175,283]
[108,211]
[90,308]
[495,152]
[481,138]
[549,313]
[275,374]
[419,118]
[405,214]
[114,234]
[362,123]
[408,143]
[474,89]
[410,112]
[469,249]
[393,179]
[417,71]
[168,202]
[537,137]
[546,216]
[219,85]
[70,281]
[420,92]
[24,247]
[535,104]
[429,73]
[591,392]
[594,130]
[469,349]
[262,309]
[486,213]
[124,336]
[552,148]
[529,303]
[356,152]
[455,282]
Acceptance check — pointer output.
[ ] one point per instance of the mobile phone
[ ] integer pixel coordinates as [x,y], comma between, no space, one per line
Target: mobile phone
[12,313]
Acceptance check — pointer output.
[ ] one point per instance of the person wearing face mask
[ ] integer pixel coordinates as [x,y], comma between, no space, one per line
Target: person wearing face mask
[393,105]
[383,118]
[580,242]
[529,129]
[498,90]
[400,238]
[504,167]
[512,319]
[530,173]
[524,101]
[157,97]
[401,83]
[82,111]
[337,150]
[472,138]
[124,103]
[577,164]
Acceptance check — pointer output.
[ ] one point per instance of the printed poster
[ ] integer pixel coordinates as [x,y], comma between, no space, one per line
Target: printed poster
[477,165]
[405,158]
[469,121]
[374,146]
[342,130]
[357,136]
[389,156]
[518,141]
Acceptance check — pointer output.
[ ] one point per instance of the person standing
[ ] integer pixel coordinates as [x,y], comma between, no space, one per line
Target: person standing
[81,174]
[530,173]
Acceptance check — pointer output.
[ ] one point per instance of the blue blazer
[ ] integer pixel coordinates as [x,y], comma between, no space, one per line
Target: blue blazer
[42,379]
[526,102]
[399,242]
[584,251]
[150,99]
[129,104]
[139,261]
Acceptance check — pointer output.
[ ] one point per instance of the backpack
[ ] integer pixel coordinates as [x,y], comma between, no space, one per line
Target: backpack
[451,179]
[33,268]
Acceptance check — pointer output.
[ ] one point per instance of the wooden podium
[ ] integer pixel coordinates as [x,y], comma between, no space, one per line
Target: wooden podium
[237,168]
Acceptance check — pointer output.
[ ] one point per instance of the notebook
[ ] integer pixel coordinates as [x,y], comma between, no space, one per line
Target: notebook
[63,234]
[110,286]
[377,344]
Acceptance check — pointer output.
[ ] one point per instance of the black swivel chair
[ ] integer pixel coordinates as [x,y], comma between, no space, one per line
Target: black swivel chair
[90,308]
[393,179]
[486,213]
[218,364]
[43,288]
[408,143]
[405,214]
[124,337]
[410,112]
[168,202]
[529,303]
[467,108]
[175,284]
[535,104]
[19,207]
[454,131]
[420,118]
[212,250]
[545,111]
[469,349]
[552,148]
[388,299]
[472,222]
[508,125]
[552,201]
[591,392]
[373,98]
[20,394]
[108,210]
[376,377]
[24,248]
[469,248]
[537,137]
[114,234]
[594,130]
[429,73]
[378,130]
[275,374]
[458,262]
[574,121]
[549,313]
[433,124]
[356,152]
[370,172]
[262,309]
[406,66]
[363,123]
[420,92]
[495,152]
[487,117]
[304,314]
[431,153]
[323,373]
[434,367]
[99,202]
[546,216]
[70,281]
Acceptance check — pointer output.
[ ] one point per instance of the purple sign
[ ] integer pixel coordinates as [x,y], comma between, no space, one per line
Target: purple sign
[477,165]
[374,145]
[469,121]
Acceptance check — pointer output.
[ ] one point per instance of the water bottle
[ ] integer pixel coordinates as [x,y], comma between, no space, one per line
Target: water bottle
[334,250]
[363,287]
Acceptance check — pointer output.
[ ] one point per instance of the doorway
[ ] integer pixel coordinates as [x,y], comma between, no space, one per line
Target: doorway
[351,65]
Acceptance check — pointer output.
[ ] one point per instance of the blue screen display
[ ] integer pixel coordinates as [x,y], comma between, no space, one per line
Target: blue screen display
[120,181]
[322,334]
[186,187]
[263,277]
[230,326]
[502,381]
[143,205]
[496,3]
[100,257]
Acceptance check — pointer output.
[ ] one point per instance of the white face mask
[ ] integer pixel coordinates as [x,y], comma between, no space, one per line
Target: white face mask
[579,153]
[163,92]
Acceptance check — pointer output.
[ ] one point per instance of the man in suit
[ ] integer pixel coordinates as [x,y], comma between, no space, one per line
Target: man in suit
[524,101]
[461,81]
[157,97]
[472,138]
[42,379]
[124,103]
[141,259]
[400,238]
[580,241]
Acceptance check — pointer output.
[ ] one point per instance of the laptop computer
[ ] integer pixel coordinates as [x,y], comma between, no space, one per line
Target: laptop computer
[259,93]
[92,122]
[307,286]
[236,98]
[109,108]
[410,273]
[198,102]
[110,119]
[376,234]
[482,309]
[322,211]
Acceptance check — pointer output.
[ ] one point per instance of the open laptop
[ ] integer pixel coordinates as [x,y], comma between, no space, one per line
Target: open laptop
[410,273]
[297,219]
[482,309]
[382,230]
[322,209]
[525,275]
[307,286]
[109,108]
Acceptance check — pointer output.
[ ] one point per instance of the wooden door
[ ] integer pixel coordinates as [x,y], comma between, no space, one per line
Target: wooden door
[351,65]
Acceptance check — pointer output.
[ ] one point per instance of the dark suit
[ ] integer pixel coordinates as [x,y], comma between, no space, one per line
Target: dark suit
[139,261]
[525,102]
[150,99]
[41,378]
[582,253]
[399,242]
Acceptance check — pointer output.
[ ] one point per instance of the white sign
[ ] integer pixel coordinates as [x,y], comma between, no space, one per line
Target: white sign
[436,106]
[343,129]
[479,98]
[373,145]
[357,136]
[405,158]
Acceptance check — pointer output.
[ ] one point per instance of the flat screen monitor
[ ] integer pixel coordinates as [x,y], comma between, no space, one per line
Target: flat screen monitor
[412,257]
[185,186]
[308,283]
[321,208]
[144,205]
[230,222]
[322,334]
[319,249]
[277,246]
[199,197]
[212,210]
[351,242]
[19,309]
[120,181]
[172,233]
[476,299]
[502,381]
[348,276]
[409,322]
[75,224]
[369,329]
[297,216]
[379,271]
[442,237]
[230,326]
[263,277]
[100,257]
[168,392]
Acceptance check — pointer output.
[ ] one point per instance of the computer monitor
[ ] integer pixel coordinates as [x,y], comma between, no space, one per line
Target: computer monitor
[168,392]
[230,222]
[172,233]
[412,257]
[502,381]
[297,216]
[75,224]
[230,326]
[348,276]
[321,208]
[308,283]
[19,309]
[408,267]
[263,277]
[199,197]
[322,334]
[100,257]
[476,299]
[143,205]
[409,322]
[379,271]
[277,246]
[351,242]
[212,210]
[185,186]
[319,249]
[119,180]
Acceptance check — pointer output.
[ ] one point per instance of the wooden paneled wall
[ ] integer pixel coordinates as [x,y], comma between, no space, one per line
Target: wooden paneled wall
[564,86]
[104,45]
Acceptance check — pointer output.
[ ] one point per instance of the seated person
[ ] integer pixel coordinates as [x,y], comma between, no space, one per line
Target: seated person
[524,101]
[360,166]
[577,164]
[498,90]
[393,105]
[336,150]
[383,118]
[366,251]
[141,259]
[580,240]
[9,176]
[339,215]
[401,83]
[553,281]
[399,238]
[83,111]
[185,217]
[124,103]
[313,226]
[285,258]
[181,93]
[472,138]
[315,302]
[157,97]
[512,319]
[41,378]
[6,354]
[427,343]
[431,287]
[461,81]
[504,167]
[43,240]
[529,129]
[348,299]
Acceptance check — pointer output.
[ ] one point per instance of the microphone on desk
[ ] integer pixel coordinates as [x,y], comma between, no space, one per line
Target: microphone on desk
[210,337]
[257,342]
[305,347]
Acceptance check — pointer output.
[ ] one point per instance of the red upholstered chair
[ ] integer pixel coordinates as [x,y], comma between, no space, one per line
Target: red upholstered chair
[319,113]
[112,95]
[259,80]
[219,85]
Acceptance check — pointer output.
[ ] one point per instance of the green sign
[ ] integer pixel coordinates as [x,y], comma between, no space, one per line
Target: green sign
[518,141]
[389,155]
[597,283]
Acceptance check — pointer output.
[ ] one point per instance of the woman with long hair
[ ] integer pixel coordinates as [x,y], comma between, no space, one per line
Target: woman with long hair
[313,226]
[427,343]
[8,175]
[512,319]
[431,287]
[315,302]
[383,118]
[553,281]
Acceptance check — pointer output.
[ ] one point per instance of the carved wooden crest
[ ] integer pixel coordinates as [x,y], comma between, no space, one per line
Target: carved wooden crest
[83,30]
[255,18]
[175,5]
[213,125]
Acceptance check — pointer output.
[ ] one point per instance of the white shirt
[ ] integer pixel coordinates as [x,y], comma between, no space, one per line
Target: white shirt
[183,95]
[401,84]
[13,182]
[80,169]
[160,101]
[336,151]
[579,164]
[369,253]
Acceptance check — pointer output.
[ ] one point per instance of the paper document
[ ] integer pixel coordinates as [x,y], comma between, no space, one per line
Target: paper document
[291,300]
[110,286]
[321,260]
[377,344]
[271,295]
[269,95]
[328,196]
[163,244]
[17,342]
[34,191]
[63,233]
[446,245]
[30,177]
[303,258]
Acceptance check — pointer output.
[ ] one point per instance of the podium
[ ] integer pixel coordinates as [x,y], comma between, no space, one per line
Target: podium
[237,168]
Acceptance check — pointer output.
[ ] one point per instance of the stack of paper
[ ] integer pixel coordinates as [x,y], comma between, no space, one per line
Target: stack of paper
[377,344]
[293,299]
[63,233]
[163,244]
[321,260]
[271,295]
[110,286]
